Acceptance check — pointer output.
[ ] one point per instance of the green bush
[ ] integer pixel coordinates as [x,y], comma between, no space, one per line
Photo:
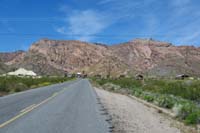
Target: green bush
[19,87]
[165,101]
[179,95]
[13,84]
[187,108]
[149,98]
[193,118]
[44,84]
[111,87]
[137,92]
[3,87]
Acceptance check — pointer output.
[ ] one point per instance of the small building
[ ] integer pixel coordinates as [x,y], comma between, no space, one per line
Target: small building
[73,75]
[22,72]
[139,77]
[182,76]
[68,75]
[98,76]
[78,75]
[122,76]
[84,76]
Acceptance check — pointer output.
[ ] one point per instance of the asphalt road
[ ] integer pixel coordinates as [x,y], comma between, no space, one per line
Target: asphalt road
[70,107]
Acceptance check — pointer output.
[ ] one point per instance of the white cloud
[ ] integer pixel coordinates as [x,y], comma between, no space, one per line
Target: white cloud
[181,7]
[171,23]
[61,30]
[190,39]
[183,22]
[121,8]
[84,24]
[190,33]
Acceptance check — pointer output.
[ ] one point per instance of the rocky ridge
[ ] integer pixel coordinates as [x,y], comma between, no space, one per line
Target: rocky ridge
[145,56]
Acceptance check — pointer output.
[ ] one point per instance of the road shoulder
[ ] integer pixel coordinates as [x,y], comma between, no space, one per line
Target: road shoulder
[129,115]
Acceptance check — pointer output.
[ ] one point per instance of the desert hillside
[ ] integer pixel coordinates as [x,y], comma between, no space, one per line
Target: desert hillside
[150,57]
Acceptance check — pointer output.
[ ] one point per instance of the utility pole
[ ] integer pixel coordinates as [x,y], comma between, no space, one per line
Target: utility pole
[186,59]
[186,55]
[147,71]
[109,68]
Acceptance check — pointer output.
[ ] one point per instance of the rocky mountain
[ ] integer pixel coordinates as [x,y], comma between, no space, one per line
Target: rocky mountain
[145,56]
[4,68]
[6,57]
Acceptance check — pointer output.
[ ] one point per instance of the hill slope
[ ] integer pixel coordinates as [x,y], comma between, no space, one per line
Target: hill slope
[50,57]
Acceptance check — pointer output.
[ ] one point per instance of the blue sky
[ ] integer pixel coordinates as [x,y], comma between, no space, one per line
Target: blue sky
[23,22]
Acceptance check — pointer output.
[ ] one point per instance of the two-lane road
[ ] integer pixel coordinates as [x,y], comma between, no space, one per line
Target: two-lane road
[70,107]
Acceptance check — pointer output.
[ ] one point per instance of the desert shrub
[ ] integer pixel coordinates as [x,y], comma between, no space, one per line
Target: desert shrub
[137,92]
[177,109]
[182,96]
[153,85]
[165,101]
[13,84]
[187,109]
[193,118]
[111,87]
[20,87]
[149,98]
[3,84]
[44,84]
[101,81]
[33,86]
[189,91]
[127,83]
[190,113]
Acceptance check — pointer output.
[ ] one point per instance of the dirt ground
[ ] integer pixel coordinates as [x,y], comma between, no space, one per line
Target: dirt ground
[130,116]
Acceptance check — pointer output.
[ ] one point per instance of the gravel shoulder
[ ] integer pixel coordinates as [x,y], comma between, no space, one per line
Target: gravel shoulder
[131,116]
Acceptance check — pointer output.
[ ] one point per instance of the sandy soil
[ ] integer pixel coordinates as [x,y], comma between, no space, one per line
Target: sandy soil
[130,116]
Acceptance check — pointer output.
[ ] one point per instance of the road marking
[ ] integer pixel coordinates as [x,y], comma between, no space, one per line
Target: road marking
[27,108]
[15,118]
[55,94]
[30,108]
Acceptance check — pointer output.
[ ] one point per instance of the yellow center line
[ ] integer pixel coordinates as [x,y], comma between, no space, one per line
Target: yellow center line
[30,108]
[27,108]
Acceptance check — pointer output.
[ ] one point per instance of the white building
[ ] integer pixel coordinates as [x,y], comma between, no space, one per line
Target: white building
[78,74]
[22,72]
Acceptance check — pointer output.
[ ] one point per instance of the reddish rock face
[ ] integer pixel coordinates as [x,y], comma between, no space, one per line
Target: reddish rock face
[7,57]
[138,56]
